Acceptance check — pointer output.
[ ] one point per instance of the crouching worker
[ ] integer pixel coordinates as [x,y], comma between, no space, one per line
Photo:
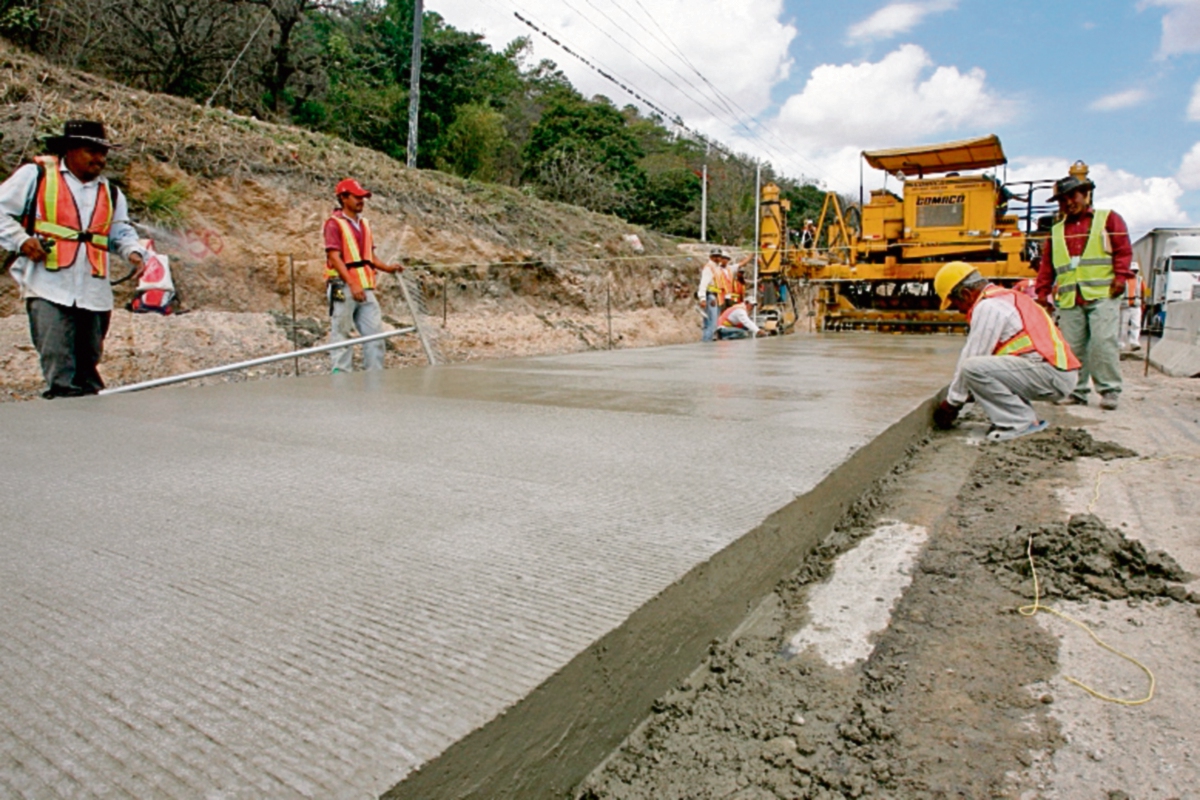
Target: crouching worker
[737,321]
[1014,354]
[350,278]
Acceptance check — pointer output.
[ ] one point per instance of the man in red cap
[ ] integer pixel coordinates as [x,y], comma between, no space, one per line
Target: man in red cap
[350,277]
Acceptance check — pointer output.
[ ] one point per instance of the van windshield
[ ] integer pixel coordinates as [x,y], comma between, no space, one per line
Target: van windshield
[1185,264]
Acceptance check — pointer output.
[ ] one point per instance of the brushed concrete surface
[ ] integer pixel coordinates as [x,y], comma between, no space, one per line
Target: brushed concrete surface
[311,587]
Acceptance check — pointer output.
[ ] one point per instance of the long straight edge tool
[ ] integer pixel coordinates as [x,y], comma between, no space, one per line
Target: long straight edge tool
[254,362]
[412,309]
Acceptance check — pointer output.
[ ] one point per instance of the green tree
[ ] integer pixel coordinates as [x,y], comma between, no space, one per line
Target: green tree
[585,143]
[472,143]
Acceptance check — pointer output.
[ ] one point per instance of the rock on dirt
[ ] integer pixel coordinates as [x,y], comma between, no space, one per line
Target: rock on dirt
[952,700]
[1084,558]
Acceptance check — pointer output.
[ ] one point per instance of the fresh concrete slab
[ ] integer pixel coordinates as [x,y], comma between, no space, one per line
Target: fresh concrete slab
[314,587]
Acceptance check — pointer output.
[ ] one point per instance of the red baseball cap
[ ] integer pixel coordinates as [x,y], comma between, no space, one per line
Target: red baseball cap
[351,186]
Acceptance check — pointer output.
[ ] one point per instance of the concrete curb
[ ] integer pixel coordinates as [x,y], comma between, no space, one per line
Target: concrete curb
[544,745]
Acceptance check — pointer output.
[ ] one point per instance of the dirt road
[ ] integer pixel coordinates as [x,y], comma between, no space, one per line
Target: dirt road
[895,663]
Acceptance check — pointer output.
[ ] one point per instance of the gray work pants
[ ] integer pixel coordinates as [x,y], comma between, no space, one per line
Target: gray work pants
[1004,386]
[367,317]
[69,342]
[1091,330]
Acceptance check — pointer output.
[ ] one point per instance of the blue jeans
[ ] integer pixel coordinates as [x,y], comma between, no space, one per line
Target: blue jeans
[712,310]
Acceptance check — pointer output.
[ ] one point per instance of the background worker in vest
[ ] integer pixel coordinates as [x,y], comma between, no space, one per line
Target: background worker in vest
[716,282]
[62,218]
[1082,273]
[1131,312]
[350,278]
[1014,354]
[737,321]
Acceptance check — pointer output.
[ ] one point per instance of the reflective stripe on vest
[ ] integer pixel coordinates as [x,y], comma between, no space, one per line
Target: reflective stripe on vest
[358,263]
[1092,273]
[722,283]
[723,320]
[1038,332]
[57,217]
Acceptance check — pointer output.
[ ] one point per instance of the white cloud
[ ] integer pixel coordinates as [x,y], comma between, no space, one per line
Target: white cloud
[1189,171]
[742,48]
[1180,26]
[901,99]
[1119,100]
[896,18]
[1144,203]
[1193,109]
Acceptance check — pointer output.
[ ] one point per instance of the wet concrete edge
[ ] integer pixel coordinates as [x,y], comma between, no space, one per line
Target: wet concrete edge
[548,742]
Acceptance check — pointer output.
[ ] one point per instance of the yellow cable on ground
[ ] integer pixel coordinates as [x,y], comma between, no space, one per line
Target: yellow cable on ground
[1031,610]
[1114,470]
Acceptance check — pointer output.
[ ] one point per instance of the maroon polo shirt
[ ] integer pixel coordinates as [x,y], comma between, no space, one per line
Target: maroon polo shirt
[333,233]
[1076,233]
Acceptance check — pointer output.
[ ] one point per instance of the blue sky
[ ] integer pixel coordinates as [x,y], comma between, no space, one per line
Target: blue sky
[809,85]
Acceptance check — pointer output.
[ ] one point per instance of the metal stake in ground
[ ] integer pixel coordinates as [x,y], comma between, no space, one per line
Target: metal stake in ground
[295,338]
[608,305]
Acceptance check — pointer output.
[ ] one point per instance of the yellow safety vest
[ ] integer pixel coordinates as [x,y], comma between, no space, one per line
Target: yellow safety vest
[1093,273]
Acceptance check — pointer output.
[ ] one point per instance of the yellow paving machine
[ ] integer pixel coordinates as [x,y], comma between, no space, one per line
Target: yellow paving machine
[871,266]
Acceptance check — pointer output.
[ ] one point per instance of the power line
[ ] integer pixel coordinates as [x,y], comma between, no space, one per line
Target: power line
[607,73]
[668,81]
[683,57]
[714,95]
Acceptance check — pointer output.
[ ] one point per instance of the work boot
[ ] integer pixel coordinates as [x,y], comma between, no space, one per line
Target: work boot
[1072,400]
[1007,434]
[1108,401]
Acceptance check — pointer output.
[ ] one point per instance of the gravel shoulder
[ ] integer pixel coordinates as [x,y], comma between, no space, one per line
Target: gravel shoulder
[961,695]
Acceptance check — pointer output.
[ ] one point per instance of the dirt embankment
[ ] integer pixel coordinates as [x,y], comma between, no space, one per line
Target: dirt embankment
[953,700]
[238,204]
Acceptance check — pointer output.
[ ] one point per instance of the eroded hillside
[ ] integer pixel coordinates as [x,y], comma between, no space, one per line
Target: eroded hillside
[238,202]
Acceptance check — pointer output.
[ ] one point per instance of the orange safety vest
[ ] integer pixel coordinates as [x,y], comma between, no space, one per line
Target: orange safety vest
[358,263]
[56,216]
[722,283]
[723,320]
[1038,332]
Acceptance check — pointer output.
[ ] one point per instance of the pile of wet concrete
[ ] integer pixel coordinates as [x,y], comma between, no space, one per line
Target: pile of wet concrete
[1085,559]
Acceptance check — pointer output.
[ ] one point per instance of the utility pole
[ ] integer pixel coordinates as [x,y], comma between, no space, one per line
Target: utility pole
[414,84]
[757,230]
[704,199]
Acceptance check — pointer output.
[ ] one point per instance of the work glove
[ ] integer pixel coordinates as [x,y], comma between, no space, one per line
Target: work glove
[945,414]
[1118,288]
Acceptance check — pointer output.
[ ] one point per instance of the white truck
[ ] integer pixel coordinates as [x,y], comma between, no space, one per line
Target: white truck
[1169,262]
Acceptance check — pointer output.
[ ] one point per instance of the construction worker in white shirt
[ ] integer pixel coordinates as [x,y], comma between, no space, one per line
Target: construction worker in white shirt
[737,321]
[717,290]
[1129,329]
[61,218]
[1014,354]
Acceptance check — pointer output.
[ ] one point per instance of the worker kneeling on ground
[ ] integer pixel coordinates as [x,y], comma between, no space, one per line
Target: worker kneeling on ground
[737,322]
[1014,354]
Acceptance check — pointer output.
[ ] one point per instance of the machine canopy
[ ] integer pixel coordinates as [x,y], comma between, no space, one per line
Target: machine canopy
[978,153]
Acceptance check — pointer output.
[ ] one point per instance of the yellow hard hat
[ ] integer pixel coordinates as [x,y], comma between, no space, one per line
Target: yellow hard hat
[948,277]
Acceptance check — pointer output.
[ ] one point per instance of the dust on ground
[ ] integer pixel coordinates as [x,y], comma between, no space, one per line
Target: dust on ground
[962,696]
